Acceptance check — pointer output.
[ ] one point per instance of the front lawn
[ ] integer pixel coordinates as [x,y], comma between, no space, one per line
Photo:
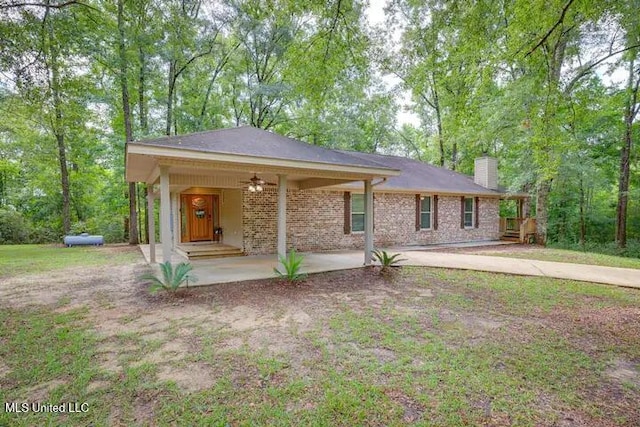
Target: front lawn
[425,347]
[25,259]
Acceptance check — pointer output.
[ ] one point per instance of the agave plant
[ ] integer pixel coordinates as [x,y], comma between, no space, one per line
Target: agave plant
[292,264]
[171,278]
[386,261]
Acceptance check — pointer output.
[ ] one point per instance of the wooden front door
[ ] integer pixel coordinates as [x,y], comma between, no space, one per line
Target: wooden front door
[200,213]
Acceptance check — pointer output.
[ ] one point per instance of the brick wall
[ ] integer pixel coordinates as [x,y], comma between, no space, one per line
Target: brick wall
[315,221]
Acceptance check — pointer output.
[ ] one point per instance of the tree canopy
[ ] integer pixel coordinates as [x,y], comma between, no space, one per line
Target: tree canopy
[548,87]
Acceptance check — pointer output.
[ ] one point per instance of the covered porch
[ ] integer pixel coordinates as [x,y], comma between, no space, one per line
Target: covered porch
[210,187]
[517,225]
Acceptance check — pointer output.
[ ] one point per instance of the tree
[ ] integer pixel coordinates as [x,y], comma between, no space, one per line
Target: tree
[126,111]
[631,108]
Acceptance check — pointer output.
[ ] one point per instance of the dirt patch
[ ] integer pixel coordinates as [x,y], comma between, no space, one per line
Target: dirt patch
[4,369]
[98,385]
[412,410]
[170,351]
[595,329]
[191,378]
[384,354]
[624,372]
[40,392]
[474,323]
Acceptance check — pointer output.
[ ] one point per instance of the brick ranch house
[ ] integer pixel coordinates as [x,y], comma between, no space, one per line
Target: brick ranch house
[249,191]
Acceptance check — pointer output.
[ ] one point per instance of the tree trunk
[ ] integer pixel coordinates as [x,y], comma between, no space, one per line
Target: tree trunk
[631,110]
[542,213]
[58,131]
[64,177]
[583,223]
[623,188]
[436,104]
[144,129]
[555,58]
[126,109]
[172,83]
[142,102]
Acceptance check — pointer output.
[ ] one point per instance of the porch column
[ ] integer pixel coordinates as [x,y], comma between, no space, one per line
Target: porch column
[282,215]
[165,214]
[175,217]
[520,208]
[152,227]
[368,221]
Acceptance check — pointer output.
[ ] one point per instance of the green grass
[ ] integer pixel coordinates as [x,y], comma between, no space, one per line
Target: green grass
[485,349]
[28,259]
[578,257]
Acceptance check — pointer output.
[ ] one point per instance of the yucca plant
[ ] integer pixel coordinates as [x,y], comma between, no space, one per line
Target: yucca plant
[171,278]
[291,264]
[386,261]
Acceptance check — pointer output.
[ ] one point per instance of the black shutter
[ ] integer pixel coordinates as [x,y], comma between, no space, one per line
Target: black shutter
[347,212]
[434,212]
[418,211]
[477,212]
[462,212]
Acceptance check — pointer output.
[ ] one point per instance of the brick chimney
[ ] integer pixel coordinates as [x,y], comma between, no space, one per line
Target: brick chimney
[486,172]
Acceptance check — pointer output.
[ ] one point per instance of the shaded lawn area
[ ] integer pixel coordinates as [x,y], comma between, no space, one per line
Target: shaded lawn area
[550,254]
[27,259]
[423,347]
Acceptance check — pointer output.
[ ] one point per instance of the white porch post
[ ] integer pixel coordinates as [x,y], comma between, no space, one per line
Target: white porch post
[165,214]
[368,221]
[282,215]
[152,227]
[175,215]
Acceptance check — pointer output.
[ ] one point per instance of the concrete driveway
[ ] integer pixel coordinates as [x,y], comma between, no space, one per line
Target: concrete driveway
[627,277]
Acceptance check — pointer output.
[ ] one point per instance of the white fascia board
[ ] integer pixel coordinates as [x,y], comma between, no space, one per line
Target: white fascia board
[168,152]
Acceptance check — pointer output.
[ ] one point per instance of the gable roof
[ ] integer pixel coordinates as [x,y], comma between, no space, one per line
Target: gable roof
[254,142]
[423,177]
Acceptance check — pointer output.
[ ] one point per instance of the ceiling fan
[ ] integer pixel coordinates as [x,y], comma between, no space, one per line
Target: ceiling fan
[256,184]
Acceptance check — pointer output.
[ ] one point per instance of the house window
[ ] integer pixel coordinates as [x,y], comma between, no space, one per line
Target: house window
[357,212]
[425,212]
[468,212]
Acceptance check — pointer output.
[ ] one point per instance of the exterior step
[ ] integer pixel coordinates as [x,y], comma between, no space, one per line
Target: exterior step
[208,251]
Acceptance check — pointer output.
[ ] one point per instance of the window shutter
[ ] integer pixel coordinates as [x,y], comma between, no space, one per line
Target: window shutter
[462,212]
[418,210]
[434,213]
[347,212]
[373,212]
[477,212]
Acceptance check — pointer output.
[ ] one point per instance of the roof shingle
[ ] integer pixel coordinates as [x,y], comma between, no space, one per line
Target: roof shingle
[420,176]
[251,141]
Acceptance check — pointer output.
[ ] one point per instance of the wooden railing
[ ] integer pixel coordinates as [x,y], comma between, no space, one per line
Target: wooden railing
[522,228]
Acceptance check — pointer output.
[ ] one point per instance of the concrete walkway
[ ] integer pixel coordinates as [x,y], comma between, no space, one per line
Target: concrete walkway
[627,277]
[235,269]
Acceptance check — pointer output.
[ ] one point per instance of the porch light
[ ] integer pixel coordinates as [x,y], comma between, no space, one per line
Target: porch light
[256,184]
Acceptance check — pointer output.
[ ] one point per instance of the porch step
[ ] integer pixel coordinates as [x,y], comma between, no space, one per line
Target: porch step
[192,252]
